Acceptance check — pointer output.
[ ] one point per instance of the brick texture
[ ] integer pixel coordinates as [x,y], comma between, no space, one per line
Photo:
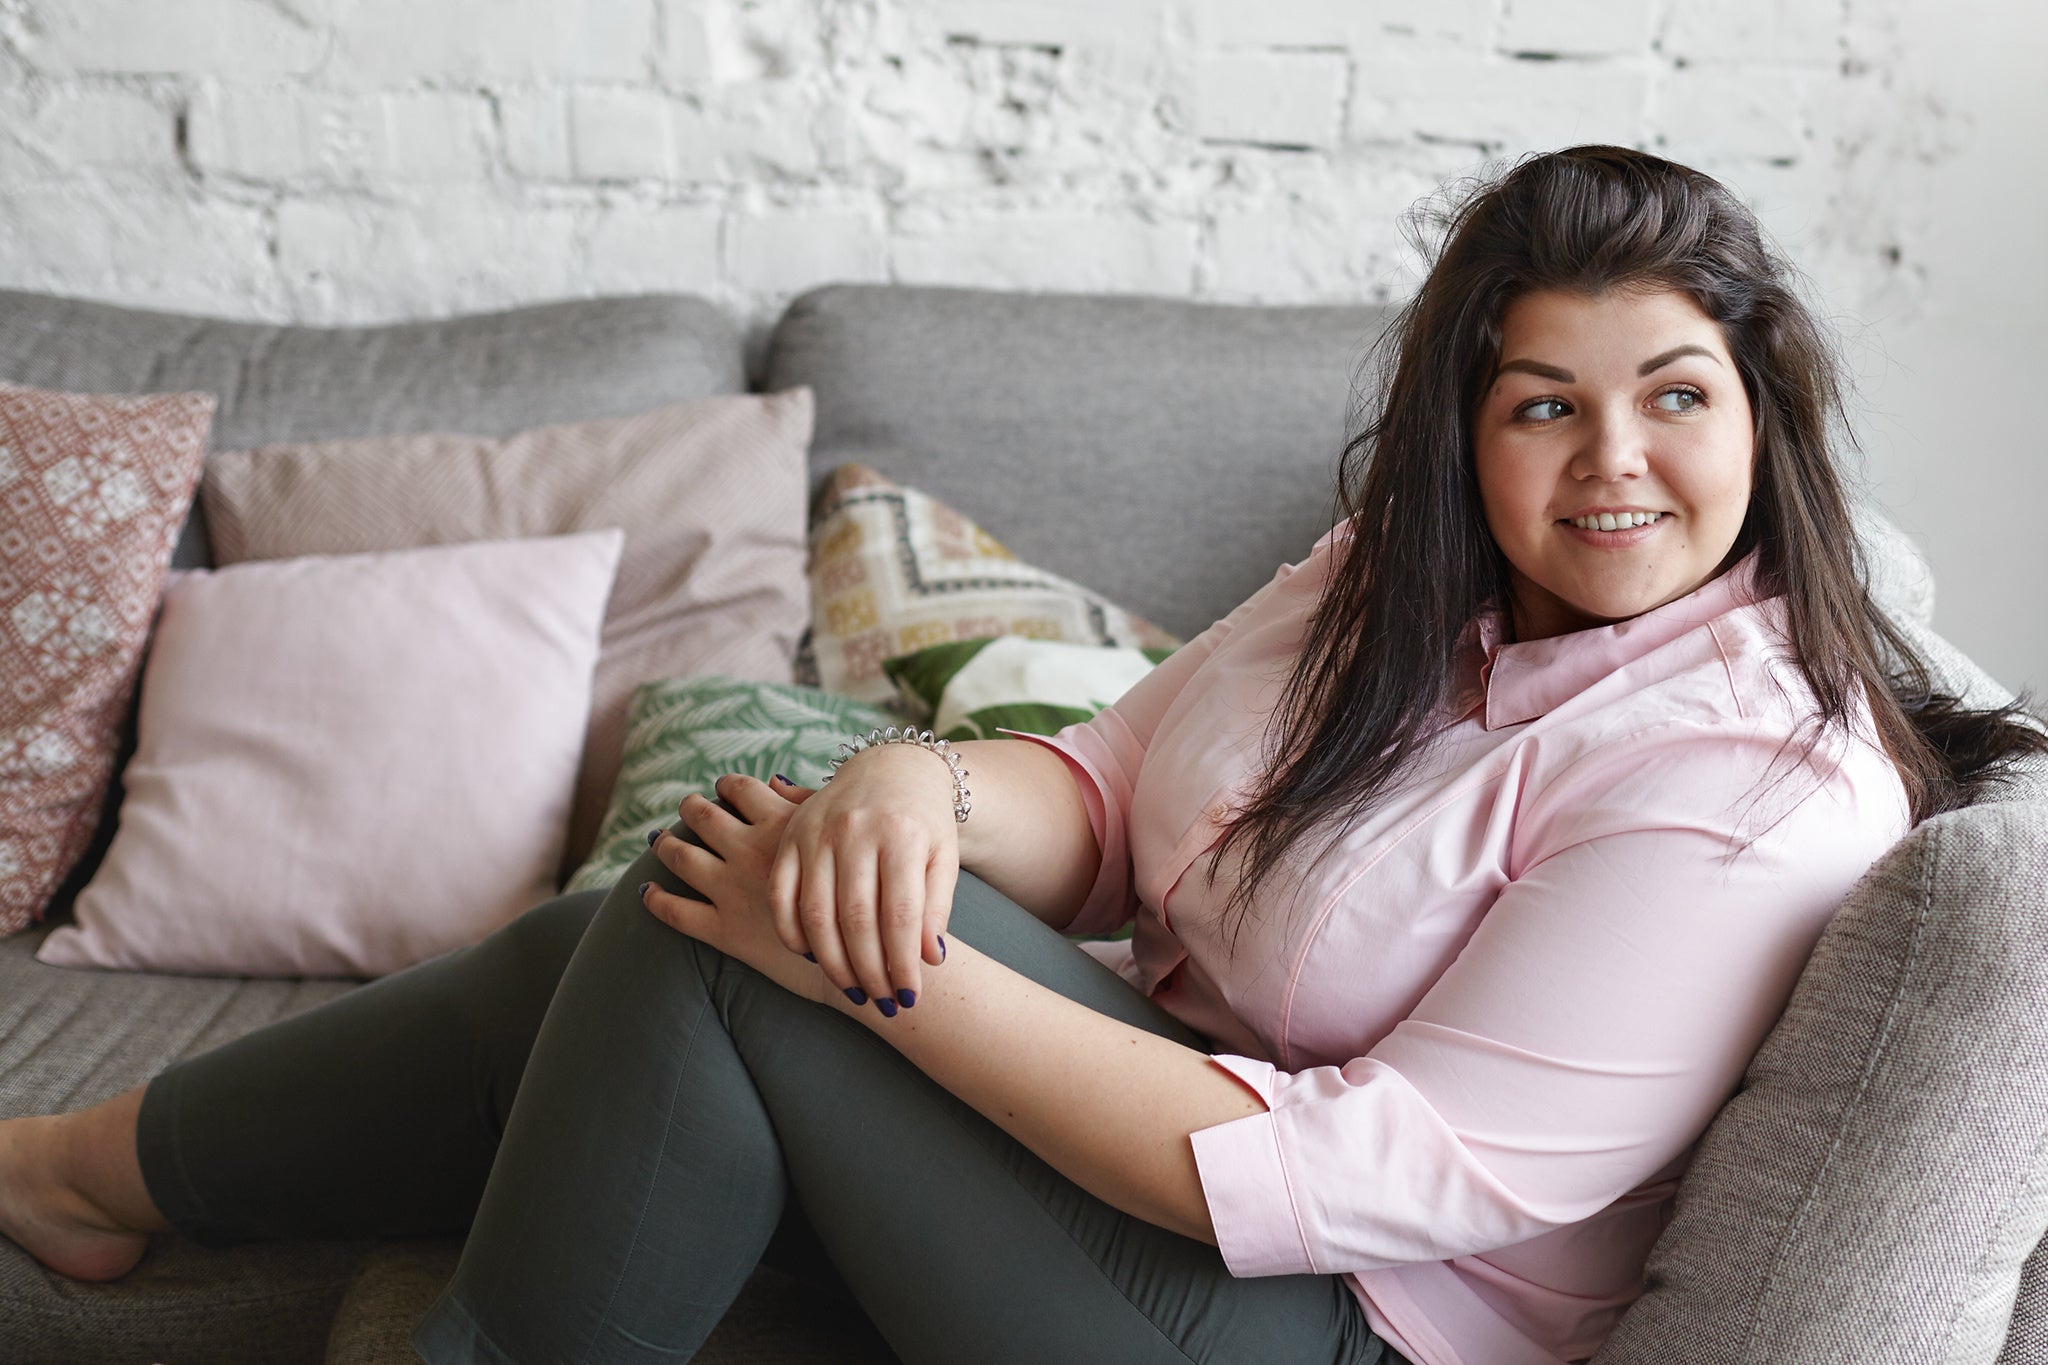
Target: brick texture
[352,160]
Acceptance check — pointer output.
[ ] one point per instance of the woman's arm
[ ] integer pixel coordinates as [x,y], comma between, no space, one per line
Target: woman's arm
[1108,1105]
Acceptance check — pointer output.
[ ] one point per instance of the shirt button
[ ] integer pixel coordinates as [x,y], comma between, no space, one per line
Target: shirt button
[1217,813]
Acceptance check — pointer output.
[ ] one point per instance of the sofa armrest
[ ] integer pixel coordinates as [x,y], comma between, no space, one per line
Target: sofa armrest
[1876,1187]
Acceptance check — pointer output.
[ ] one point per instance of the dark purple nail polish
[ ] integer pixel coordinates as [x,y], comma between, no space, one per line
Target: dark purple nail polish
[856,995]
[784,781]
[653,837]
[942,947]
[809,958]
[643,889]
[906,998]
[886,1006]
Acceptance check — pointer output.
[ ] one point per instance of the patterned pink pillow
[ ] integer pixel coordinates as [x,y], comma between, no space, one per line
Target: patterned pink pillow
[92,493]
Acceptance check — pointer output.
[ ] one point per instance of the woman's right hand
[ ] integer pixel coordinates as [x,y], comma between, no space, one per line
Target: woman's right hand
[863,880]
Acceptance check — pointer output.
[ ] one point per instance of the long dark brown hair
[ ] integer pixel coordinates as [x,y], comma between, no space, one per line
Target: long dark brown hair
[1366,695]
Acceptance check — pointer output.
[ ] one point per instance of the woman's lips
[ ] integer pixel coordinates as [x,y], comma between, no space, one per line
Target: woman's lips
[1614,540]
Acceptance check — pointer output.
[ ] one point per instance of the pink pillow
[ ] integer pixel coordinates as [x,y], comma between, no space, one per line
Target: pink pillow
[92,493]
[710,494]
[346,764]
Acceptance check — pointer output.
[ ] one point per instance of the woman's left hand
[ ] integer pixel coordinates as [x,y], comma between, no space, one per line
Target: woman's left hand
[731,871]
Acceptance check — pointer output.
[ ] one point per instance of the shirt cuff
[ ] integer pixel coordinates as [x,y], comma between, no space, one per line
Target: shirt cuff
[1245,1185]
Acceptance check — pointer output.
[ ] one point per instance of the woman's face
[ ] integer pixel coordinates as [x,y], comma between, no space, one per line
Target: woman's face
[1614,453]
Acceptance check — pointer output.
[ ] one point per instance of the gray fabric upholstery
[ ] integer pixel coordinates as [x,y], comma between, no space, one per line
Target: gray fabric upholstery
[1899,577]
[2026,1342]
[1166,454]
[1873,1192]
[72,1038]
[489,375]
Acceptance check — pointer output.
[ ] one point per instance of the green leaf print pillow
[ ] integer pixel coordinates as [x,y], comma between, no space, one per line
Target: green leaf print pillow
[969,689]
[683,734]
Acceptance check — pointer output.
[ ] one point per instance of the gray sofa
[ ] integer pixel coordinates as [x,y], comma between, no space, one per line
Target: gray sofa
[1876,1192]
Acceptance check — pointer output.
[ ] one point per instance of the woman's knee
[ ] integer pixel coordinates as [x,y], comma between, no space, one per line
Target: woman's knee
[529,952]
[502,986]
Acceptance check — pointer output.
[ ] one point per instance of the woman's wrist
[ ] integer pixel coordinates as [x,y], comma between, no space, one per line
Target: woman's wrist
[912,737]
[902,763]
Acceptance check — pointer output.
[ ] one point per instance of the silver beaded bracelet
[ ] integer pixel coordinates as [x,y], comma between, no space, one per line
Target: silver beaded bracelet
[922,739]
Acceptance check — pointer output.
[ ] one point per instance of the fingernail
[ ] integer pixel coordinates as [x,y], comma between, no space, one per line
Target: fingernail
[653,837]
[643,889]
[906,998]
[809,958]
[942,947]
[856,995]
[886,1006]
[784,781]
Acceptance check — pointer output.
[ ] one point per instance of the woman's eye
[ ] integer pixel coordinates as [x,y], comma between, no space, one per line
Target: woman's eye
[1541,409]
[1679,400]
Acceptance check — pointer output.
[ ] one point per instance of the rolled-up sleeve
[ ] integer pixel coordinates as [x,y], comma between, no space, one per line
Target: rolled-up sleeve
[1600,1014]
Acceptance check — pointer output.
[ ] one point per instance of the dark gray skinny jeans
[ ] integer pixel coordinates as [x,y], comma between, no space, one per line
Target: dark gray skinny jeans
[621,1118]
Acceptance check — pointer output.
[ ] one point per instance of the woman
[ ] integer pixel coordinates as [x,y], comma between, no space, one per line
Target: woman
[1470,860]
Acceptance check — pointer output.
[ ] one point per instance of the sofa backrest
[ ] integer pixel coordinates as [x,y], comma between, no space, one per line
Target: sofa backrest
[1167,454]
[490,375]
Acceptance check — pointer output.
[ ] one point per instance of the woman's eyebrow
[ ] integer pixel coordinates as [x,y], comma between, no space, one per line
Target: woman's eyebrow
[1559,375]
[1658,362]
[1540,370]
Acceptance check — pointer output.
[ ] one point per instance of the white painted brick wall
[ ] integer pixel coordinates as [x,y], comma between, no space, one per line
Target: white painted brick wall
[619,134]
[1582,28]
[96,130]
[349,160]
[1280,99]
[250,38]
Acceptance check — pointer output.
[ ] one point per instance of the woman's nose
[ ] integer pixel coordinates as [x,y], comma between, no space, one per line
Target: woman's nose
[1614,448]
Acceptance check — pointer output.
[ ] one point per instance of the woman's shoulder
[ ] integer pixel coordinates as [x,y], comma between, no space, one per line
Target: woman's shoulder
[1719,718]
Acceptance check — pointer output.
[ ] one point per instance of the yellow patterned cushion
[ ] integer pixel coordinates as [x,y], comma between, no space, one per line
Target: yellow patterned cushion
[894,571]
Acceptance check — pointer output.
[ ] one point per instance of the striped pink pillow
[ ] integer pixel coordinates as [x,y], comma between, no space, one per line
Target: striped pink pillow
[92,493]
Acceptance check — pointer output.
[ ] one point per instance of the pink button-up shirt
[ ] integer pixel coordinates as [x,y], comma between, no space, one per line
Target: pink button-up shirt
[1491,1022]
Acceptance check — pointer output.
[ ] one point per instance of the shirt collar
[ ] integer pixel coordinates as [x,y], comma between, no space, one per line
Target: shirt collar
[1518,682]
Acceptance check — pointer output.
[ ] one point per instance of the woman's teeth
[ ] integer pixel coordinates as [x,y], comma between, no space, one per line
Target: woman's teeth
[1615,521]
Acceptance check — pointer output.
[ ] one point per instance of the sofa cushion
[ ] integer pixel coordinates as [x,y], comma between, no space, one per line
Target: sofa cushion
[92,491]
[894,570]
[685,733]
[1166,454]
[349,763]
[1911,1061]
[971,689]
[491,374]
[69,1039]
[710,494]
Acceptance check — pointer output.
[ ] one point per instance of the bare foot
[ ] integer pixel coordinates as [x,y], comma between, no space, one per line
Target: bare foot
[51,1221]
